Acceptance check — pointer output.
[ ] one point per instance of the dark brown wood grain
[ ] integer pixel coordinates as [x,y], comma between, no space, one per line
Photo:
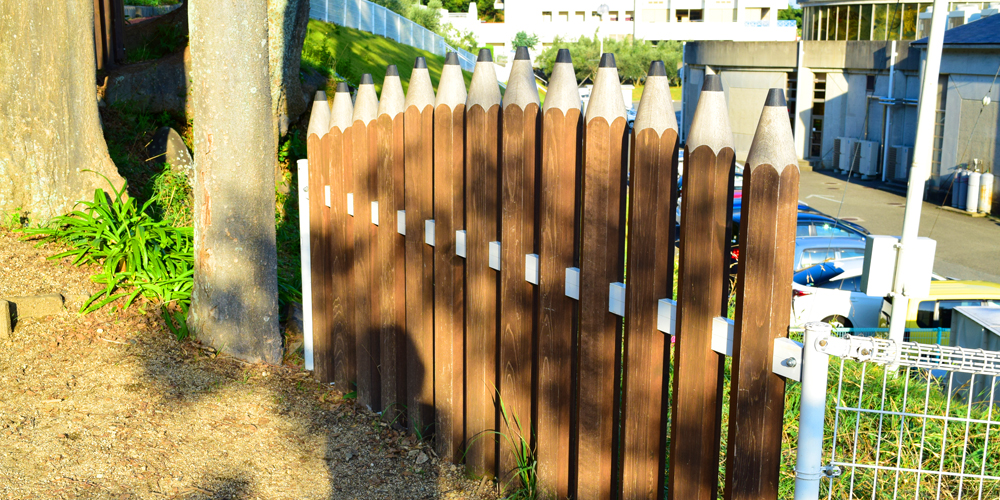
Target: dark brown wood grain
[319,151]
[390,266]
[694,463]
[366,299]
[482,220]
[418,131]
[763,288]
[557,216]
[449,281]
[519,140]
[649,278]
[601,263]
[340,305]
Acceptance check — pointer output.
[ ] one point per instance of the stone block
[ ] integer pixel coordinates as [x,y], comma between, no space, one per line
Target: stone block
[6,330]
[37,306]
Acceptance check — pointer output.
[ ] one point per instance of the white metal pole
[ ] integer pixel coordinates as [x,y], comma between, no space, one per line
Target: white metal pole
[812,412]
[307,318]
[888,111]
[920,171]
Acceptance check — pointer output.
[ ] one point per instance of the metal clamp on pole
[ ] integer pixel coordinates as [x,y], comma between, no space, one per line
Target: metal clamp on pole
[812,410]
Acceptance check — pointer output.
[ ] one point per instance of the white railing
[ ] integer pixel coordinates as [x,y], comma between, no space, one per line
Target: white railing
[375,19]
[922,430]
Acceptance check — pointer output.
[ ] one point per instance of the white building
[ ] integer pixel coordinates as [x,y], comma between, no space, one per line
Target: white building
[653,20]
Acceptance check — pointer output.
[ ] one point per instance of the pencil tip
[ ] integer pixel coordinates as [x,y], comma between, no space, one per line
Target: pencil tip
[608,60]
[420,63]
[775,97]
[713,83]
[485,56]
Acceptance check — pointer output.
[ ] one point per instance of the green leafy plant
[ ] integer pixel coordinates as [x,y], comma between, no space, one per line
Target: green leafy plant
[524,39]
[137,254]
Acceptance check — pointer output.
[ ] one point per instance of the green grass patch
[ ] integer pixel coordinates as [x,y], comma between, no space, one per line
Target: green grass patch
[675,93]
[152,3]
[352,53]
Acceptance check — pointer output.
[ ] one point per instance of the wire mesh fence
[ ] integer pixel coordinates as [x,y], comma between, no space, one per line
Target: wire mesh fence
[375,19]
[925,430]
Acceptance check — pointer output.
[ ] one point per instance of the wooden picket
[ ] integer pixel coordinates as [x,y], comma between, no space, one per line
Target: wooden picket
[470,253]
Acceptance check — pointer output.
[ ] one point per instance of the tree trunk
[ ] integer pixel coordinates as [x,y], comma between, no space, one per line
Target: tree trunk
[235,301]
[52,149]
[287,21]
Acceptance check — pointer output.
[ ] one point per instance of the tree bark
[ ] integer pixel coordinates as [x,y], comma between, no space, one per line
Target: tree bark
[235,300]
[52,149]
[287,21]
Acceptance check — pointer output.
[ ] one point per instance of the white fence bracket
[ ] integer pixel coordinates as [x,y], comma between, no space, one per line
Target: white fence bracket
[429,232]
[666,316]
[460,243]
[531,270]
[616,299]
[787,359]
[495,255]
[401,222]
[573,283]
[375,213]
[723,330]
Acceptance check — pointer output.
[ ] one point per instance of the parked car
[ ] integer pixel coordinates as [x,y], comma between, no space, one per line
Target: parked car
[934,311]
[831,293]
[816,224]
[812,250]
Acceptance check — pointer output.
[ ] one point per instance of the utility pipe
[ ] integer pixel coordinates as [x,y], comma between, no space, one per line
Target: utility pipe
[920,170]
[812,411]
[888,111]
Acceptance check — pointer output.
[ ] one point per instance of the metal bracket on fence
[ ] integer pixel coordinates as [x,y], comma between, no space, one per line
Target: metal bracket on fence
[460,243]
[723,330]
[860,349]
[830,471]
[495,255]
[573,283]
[787,359]
[350,204]
[666,316]
[531,270]
[429,232]
[375,213]
[401,222]
[616,299]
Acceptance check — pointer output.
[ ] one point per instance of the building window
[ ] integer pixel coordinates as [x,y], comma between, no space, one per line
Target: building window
[547,16]
[842,22]
[854,18]
[870,84]
[629,15]
[613,15]
[818,108]
[765,14]
[655,15]
[791,89]
[685,15]
[580,16]
[865,32]
[564,16]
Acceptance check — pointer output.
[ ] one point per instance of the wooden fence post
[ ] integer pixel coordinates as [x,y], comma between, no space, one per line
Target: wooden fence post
[449,268]
[763,291]
[418,130]
[601,265]
[341,251]
[482,122]
[364,136]
[650,274]
[697,405]
[518,161]
[557,217]
[390,263]
[318,149]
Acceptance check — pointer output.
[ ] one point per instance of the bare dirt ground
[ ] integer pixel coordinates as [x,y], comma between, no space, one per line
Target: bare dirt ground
[110,405]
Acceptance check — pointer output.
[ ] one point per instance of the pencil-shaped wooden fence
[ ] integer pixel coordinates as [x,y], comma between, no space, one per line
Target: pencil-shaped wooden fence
[498,275]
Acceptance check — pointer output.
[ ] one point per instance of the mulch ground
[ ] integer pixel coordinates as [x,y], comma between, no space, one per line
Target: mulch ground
[110,405]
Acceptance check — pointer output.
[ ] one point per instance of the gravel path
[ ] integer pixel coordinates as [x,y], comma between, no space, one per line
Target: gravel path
[109,405]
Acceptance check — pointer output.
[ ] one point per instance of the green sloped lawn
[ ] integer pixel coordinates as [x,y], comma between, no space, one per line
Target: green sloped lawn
[352,53]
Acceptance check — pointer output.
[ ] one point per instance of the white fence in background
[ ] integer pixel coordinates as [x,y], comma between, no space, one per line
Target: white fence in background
[923,430]
[375,19]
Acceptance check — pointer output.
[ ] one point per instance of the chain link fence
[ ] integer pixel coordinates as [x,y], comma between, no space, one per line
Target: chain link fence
[375,19]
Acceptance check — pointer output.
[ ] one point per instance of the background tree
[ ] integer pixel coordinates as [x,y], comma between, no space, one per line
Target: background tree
[523,39]
[49,128]
[287,22]
[235,300]
[631,56]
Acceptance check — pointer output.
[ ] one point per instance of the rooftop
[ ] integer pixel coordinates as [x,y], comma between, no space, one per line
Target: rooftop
[982,32]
